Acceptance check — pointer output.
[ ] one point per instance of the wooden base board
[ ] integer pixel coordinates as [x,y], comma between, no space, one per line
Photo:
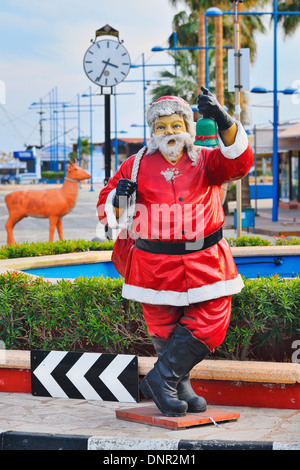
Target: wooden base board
[151,415]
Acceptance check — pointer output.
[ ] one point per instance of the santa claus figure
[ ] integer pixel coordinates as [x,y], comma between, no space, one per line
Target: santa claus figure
[180,267]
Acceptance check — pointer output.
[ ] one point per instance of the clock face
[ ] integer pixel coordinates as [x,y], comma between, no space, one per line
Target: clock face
[106,63]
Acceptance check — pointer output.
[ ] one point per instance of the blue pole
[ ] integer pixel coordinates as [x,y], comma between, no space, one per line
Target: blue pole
[56,131]
[79,143]
[261,13]
[144,98]
[65,150]
[275,123]
[174,45]
[183,48]
[51,130]
[91,142]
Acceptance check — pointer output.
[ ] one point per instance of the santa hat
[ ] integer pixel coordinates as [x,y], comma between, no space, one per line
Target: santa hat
[167,105]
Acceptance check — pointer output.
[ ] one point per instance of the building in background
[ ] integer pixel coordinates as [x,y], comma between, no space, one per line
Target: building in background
[261,180]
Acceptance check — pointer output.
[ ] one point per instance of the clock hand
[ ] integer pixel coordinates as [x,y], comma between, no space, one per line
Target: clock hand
[109,63]
[106,64]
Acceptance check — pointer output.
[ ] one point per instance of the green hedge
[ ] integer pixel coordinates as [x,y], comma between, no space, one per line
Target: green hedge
[258,241]
[91,315]
[52,175]
[265,312]
[85,315]
[71,246]
[27,249]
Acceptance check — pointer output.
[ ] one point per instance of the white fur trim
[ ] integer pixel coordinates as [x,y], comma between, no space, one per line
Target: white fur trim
[238,147]
[112,221]
[198,294]
[167,107]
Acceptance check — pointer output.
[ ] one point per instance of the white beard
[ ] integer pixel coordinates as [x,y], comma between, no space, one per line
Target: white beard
[160,142]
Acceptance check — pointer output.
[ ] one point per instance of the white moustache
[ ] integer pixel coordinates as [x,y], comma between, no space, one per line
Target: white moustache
[171,145]
[154,145]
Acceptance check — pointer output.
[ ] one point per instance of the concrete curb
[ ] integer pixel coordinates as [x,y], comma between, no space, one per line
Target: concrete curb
[243,383]
[11,440]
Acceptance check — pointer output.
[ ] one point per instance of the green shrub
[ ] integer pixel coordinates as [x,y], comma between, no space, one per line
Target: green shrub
[287,241]
[266,311]
[52,175]
[72,246]
[258,241]
[26,249]
[248,241]
[91,315]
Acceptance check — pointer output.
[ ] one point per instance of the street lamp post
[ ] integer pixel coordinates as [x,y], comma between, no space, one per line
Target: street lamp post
[144,98]
[91,137]
[192,48]
[144,81]
[79,110]
[275,14]
[275,123]
[217,14]
[116,129]
[237,111]
[51,105]
[143,65]
[115,117]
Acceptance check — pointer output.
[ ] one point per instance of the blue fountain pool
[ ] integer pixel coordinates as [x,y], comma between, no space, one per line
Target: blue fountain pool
[250,267]
[71,271]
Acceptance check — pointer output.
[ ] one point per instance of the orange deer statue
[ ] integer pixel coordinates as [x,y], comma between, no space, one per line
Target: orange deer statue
[50,204]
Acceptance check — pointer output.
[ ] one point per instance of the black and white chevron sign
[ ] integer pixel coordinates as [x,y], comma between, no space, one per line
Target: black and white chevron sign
[90,376]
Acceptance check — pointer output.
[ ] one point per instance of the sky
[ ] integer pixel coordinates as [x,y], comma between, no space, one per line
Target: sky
[43,43]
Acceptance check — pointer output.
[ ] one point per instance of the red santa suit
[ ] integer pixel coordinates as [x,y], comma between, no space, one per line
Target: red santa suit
[181,203]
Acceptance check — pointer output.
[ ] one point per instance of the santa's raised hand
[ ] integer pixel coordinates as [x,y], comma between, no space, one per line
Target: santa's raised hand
[209,107]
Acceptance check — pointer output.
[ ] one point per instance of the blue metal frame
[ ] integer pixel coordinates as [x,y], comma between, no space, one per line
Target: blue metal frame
[275,14]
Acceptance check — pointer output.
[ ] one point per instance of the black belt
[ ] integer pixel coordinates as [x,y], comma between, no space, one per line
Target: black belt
[178,248]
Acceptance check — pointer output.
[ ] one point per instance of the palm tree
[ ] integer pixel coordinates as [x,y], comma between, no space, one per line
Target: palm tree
[221,29]
[85,150]
[191,31]
[183,82]
[289,23]
[190,28]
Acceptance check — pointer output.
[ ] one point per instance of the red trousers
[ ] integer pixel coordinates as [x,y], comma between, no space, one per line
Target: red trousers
[207,321]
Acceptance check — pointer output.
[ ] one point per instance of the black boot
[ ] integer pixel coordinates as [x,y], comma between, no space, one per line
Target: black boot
[182,352]
[196,404]
[160,385]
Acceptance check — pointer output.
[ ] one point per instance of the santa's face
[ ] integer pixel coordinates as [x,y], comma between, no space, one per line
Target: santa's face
[168,132]
[169,125]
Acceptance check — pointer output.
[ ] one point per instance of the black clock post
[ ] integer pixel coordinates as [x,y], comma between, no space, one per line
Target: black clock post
[107,145]
[107,63]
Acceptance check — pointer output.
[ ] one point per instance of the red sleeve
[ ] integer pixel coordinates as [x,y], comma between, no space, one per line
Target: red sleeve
[221,169]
